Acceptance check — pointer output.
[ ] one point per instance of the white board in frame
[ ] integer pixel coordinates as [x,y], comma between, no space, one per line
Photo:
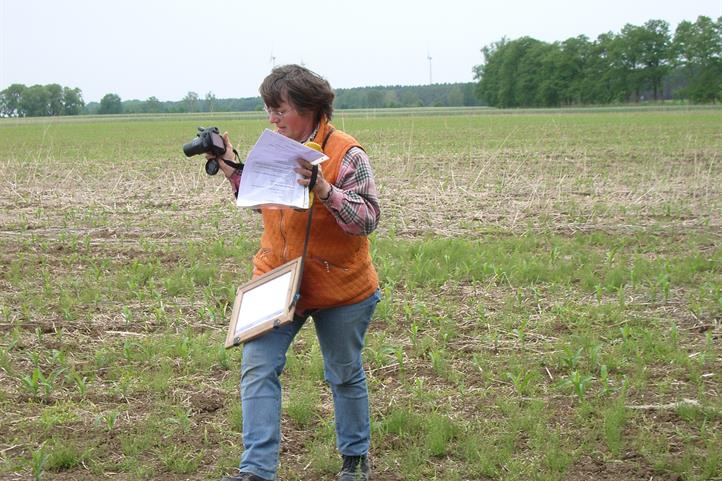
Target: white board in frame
[264,303]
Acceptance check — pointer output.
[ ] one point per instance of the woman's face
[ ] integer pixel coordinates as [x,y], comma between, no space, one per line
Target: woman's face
[290,122]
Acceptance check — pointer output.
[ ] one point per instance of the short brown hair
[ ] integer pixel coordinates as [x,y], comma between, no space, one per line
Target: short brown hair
[304,89]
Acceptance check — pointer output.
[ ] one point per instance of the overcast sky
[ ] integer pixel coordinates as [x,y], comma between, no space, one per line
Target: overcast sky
[166,48]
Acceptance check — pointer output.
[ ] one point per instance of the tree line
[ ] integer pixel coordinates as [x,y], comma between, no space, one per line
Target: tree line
[436,95]
[19,100]
[644,62]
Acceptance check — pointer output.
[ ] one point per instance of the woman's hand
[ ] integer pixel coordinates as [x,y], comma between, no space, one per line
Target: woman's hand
[322,189]
[228,171]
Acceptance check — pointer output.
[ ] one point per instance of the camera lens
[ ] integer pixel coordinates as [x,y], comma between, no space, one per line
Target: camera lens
[194,147]
[212,167]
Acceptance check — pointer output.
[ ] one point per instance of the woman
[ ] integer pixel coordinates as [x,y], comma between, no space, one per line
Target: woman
[339,287]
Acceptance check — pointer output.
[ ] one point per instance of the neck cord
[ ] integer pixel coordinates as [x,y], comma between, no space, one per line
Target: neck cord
[311,184]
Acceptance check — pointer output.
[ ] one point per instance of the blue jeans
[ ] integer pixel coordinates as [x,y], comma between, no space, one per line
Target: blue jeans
[340,332]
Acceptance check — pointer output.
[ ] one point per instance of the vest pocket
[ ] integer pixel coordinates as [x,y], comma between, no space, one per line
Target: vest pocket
[265,258]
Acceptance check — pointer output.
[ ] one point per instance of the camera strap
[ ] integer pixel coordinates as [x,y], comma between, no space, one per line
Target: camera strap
[235,165]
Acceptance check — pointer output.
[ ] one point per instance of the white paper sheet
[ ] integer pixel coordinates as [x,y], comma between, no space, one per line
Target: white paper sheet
[268,173]
[264,302]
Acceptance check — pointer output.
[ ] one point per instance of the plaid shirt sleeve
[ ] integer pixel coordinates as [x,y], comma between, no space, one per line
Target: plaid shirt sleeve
[353,199]
[235,181]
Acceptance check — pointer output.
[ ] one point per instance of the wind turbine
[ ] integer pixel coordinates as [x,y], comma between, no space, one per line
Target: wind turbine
[428,57]
[272,60]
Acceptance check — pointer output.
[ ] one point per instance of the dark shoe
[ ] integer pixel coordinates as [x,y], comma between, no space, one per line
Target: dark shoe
[355,468]
[244,477]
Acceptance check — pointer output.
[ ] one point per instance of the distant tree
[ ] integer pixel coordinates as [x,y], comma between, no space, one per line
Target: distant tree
[391,99]
[606,75]
[656,54]
[10,99]
[628,53]
[152,105]
[133,106]
[455,97]
[191,102]
[350,98]
[55,99]
[374,99]
[699,42]
[409,98]
[572,66]
[510,75]
[110,104]
[34,102]
[210,102]
[537,82]
[549,82]
[73,103]
[470,97]
[489,73]
[638,59]
[511,55]
[698,51]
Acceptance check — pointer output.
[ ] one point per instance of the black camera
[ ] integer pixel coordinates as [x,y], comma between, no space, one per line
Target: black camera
[208,140]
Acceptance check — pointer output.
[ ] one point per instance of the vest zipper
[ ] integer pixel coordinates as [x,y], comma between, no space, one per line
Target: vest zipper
[282,231]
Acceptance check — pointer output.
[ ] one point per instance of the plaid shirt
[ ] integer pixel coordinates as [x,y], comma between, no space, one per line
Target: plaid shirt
[353,200]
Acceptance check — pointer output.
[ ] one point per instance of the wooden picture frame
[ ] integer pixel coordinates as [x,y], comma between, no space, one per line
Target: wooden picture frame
[264,303]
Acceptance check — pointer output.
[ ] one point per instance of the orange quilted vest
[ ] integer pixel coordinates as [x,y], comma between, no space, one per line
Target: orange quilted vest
[338,269]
